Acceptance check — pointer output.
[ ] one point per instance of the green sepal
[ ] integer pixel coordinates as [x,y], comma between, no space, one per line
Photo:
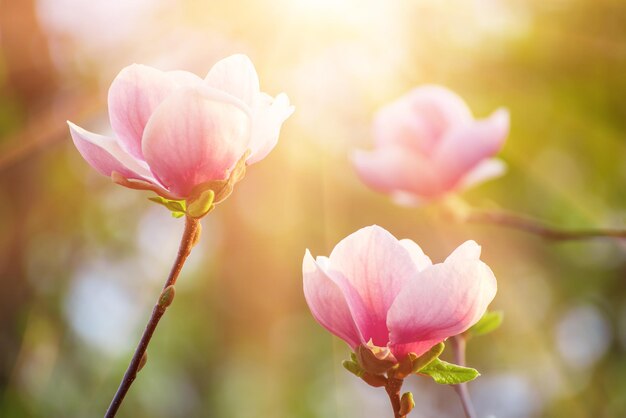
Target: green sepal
[374,380]
[488,323]
[202,205]
[352,367]
[428,357]
[373,359]
[446,373]
[177,207]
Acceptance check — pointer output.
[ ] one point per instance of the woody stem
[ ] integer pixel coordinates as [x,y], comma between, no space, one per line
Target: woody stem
[189,238]
[458,345]
[537,227]
[393,387]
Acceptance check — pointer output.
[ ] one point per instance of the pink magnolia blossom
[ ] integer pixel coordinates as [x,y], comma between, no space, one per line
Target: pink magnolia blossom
[175,131]
[377,291]
[428,144]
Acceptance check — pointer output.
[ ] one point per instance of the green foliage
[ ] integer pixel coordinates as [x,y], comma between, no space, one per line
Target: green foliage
[177,207]
[202,205]
[428,357]
[488,323]
[446,373]
[352,367]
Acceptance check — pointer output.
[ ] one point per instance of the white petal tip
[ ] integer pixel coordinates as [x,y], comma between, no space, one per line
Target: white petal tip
[407,199]
[308,262]
[501,117]
[469,250]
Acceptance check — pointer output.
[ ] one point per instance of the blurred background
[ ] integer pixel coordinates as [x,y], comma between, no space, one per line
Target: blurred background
[82,260]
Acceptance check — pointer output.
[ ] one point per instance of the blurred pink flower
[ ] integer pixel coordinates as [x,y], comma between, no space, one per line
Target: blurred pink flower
[378,290]
[428,144]
[175,131]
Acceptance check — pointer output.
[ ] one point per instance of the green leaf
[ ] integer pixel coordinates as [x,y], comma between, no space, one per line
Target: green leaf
[489,322]
[352,367]
[202,205]
[446,373]
[428,357]
[173,205]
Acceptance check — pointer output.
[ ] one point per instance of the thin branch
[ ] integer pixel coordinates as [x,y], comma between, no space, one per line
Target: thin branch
[539,228]
[462,212]
[190,237]
[458,343]
[46,129]
[393,387]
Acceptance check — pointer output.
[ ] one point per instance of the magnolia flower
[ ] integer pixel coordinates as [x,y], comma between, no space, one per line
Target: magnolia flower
[178,134]
[428,144]
[385,294]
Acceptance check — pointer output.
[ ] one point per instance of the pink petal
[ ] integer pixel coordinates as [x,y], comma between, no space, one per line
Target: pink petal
[393,169]
[195,136]
[407,199]
[485,170]
[269,115]
[444,300]
[464,147]
[469,250]
[417,347]
[134,95]
[327,303]
[371,267]
[235,75]
[418,257]
[419,119]
[398,125]
[105,155]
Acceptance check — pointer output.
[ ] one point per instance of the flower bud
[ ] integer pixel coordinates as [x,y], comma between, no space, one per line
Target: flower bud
[406,403]
[167,297]
[428,145]
[376,288]
[174,131]
[143,361]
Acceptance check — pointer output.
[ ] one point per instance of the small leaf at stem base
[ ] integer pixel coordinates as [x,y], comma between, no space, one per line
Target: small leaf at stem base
[201,205]
[428,357]
[352,367]
[446,373]
[173,205]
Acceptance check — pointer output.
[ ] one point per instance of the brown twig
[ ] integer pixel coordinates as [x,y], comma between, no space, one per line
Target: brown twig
[190,235]
[458,343]
[540,228]
[393,387]
[462,212]
[46,129]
